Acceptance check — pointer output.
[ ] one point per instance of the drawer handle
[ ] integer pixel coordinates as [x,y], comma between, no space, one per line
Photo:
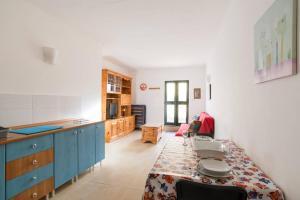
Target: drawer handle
[82,131]
[34,178]
[34,146]
[34,195]
[35,162]
[75,132]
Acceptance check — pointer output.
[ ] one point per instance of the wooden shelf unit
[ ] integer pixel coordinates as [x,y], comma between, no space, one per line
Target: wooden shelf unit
[117,89]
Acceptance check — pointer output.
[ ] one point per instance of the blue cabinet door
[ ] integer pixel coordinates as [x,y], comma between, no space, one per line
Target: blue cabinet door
[100,142]
[2,172]
[86,147]
[66,156]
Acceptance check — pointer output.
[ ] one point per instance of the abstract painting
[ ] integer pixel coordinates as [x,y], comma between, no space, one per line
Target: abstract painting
[276,42]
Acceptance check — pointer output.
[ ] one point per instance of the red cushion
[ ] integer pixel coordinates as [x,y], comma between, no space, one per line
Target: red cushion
[182,129]
[208,124]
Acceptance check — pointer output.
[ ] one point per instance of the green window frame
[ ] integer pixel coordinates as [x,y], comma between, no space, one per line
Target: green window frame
[176,102]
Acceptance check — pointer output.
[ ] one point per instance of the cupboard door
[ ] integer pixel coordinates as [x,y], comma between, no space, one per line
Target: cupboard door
[120,125]
[125,99]
[2,172]
[131,124]
[108,132]
[100,143]
[65,157]
[126,124]
[114,129]
[86,147]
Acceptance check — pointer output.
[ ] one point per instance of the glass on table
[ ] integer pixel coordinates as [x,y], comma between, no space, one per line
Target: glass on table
[185,137]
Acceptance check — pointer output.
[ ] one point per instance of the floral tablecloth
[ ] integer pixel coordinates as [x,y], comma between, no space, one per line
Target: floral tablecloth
[178,162]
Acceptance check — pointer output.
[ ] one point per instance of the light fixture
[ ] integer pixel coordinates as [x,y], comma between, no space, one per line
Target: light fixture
[50,55]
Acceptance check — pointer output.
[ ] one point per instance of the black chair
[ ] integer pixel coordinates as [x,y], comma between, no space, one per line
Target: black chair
[187,190]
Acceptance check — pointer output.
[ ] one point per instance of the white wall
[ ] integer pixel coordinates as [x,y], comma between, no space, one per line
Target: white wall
[154,99]
[262,118]
[25,29]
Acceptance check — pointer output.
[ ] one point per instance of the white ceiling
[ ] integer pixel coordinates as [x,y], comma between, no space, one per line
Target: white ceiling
[146,33]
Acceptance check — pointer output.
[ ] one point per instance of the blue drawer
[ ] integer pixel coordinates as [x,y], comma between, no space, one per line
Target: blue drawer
[2,172]
[21,183]
[27,147]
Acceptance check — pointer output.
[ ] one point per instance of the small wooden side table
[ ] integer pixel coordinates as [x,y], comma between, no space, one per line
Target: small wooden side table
[151,133]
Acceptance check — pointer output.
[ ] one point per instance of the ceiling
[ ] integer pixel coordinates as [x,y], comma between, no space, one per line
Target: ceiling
[146,33]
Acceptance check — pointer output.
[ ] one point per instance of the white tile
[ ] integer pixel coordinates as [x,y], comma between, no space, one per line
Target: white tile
[15,117]
[15,109]
[70,107]
[45,108]
[45,102]
[14,101]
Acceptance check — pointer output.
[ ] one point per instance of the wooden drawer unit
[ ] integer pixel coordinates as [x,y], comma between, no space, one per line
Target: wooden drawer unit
[21,183]
[36,192]
[151,133]
[27,147]
[29,163]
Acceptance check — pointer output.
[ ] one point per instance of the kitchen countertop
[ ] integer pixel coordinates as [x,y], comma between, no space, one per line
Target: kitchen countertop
[67,125]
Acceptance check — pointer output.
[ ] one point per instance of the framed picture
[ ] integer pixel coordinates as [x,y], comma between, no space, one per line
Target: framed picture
[276,42]
[197,93]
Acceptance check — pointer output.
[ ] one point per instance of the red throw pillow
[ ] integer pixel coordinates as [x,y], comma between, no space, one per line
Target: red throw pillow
[182,129]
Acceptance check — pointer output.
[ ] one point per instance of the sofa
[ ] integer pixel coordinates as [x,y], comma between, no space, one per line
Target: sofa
[207,127]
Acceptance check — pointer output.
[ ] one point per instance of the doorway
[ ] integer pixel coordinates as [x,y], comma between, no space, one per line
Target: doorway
[176,102]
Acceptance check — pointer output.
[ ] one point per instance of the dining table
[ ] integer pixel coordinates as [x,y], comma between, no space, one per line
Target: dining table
[178,162]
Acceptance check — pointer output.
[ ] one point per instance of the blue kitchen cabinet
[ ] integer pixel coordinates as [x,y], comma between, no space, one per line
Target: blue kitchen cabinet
[26,181]
[100,142]
[66,156]
[86,147]
[2,172]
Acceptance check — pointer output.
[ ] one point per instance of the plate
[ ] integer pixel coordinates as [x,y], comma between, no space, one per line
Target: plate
[207,145]
[203,138]
[214,165]
[214,175]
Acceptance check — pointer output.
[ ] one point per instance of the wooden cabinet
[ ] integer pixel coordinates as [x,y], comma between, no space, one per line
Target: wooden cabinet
[2,172]
[116,90]
[119,127]
[125,99]
[86,148]
[66,158]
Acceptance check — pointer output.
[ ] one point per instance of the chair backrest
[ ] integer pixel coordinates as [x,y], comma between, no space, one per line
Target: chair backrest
[187,190]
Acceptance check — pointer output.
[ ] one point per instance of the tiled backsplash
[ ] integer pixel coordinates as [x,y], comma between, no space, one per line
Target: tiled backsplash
[24,109]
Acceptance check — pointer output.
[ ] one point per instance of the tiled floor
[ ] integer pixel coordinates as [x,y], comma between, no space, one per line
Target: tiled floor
[122,175]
